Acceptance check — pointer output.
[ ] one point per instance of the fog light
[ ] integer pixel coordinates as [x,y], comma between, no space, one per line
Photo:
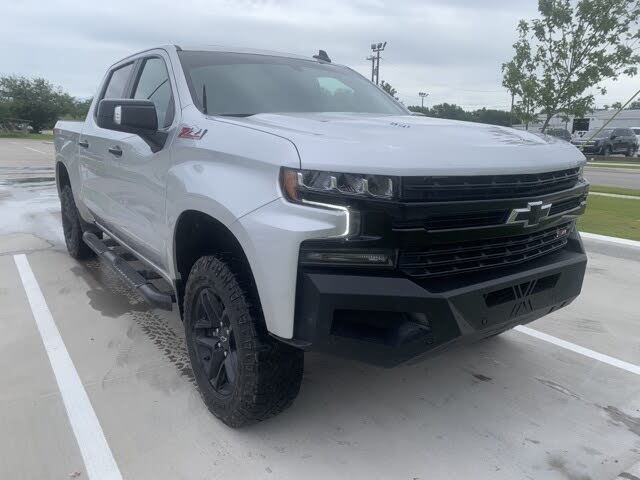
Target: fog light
[369,258]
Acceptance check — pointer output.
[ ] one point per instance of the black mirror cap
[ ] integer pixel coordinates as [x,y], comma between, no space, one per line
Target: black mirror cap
[128,115]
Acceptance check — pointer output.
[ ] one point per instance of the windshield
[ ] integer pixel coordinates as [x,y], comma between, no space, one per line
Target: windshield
[606,133]
[247,84]
[636,131]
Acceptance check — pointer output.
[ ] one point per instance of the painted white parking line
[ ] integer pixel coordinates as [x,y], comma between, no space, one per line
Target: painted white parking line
[36,150]
[97,456]
[614,195]
[604,238]
[629,367]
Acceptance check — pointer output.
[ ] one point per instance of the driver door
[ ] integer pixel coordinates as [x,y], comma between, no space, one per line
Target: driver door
[139,171]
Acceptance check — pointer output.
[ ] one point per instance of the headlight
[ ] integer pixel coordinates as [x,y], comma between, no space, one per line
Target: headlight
[295,183]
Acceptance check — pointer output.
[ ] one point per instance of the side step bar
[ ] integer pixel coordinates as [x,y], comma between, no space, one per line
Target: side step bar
[161,300]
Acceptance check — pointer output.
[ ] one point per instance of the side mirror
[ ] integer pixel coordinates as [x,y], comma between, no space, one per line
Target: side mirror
[127,115]
[613,136]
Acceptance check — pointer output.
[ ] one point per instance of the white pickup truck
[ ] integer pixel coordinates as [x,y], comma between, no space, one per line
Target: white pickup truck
[290,205]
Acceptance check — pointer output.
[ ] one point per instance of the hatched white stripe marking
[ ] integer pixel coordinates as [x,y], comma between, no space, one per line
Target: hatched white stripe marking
[601,357]
[97,456]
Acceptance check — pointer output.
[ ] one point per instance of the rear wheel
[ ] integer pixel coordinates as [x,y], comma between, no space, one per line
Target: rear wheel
[630,152]
[243,374]
[72,226]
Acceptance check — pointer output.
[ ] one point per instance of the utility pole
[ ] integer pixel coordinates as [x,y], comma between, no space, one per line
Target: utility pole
[513,97]
[373,67]
[423,95]
[376,48]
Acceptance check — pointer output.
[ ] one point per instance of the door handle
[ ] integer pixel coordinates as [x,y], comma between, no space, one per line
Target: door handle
[83,144]
[117,151]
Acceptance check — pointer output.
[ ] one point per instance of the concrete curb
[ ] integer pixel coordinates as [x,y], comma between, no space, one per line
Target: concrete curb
[615,195]
[604,238]
[631,473]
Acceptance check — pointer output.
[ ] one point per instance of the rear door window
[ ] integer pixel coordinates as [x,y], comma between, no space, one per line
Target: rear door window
[154,84]
[118,82]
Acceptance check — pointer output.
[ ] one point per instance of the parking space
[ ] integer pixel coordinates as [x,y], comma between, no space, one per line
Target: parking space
[510,407]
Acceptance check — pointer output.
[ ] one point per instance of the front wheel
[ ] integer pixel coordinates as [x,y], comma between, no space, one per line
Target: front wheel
[244,375]
[72,226]
[607,151]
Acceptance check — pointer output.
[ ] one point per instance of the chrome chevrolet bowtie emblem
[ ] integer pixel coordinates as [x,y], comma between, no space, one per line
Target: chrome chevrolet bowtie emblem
[531,215]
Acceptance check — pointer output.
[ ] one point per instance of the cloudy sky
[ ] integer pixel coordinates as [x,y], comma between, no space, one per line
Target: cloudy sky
[452,49]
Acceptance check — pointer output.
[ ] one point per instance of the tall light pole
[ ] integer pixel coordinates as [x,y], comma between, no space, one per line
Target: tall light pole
[376,48]
[423,95]
[373,67]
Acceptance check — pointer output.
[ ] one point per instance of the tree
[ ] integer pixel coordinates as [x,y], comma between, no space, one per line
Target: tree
[569,51]
[80,108]
[455,112]
[35,100]
[449,110]
[635,105]
[519,77]
[616,105]
[491,116]
[389,89]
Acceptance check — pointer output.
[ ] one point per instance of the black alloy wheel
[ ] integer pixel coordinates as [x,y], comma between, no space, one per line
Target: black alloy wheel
[215,342]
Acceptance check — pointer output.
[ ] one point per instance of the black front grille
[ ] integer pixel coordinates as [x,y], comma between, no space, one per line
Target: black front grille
[566,205]
[463,257]
[486,187]
[452,221]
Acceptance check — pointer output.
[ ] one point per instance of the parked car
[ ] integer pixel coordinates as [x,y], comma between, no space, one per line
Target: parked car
[636,131]
[290,205]
[562,133]
[609,141]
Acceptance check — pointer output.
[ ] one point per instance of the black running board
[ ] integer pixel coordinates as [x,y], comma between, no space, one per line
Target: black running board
[154,296]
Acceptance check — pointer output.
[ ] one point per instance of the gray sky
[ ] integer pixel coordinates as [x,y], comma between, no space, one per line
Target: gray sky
[452,49]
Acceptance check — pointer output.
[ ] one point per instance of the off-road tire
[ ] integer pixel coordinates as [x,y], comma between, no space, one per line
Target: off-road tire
[72,226]
[630,152]
[607,151]
[269,372]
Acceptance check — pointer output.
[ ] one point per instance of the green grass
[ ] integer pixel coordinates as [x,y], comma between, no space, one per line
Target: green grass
[27,136]
[630,166]
[615,217]
[617,190]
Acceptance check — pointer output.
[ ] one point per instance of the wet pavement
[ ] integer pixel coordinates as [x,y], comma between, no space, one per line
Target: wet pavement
[512,407]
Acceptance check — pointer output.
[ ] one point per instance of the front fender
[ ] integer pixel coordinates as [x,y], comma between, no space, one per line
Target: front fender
[231,172]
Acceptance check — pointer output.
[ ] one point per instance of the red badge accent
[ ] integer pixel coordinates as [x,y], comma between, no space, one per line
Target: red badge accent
[193,133]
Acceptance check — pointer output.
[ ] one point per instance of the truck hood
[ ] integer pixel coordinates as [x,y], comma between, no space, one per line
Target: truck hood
[413,145]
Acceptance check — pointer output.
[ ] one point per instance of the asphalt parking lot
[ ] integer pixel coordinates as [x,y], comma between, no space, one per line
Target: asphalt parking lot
[614,177]
[513,407]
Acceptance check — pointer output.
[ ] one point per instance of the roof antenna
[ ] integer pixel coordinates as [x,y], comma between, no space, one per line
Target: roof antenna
[322,56]
[204,99]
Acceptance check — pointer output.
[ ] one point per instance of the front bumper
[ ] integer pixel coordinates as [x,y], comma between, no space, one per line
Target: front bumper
[387,320]
[594,149]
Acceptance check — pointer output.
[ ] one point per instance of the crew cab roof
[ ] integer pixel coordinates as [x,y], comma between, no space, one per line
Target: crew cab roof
[216,48]
[227,49]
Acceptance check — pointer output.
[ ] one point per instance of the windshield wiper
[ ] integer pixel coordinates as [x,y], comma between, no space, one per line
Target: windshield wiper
[236,114]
